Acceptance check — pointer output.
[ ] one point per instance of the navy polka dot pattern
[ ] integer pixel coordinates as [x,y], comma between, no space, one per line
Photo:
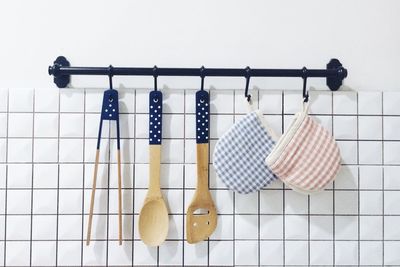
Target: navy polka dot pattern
[155,118]
[202,116]
[109,111]
[110,108]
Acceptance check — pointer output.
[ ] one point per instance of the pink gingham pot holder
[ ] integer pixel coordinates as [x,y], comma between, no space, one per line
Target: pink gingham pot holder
[306,157]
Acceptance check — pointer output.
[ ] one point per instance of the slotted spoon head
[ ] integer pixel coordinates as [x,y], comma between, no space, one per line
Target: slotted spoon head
[201,218]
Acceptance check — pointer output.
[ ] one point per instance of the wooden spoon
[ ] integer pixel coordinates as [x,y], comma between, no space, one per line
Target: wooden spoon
[153,218]
[201,216]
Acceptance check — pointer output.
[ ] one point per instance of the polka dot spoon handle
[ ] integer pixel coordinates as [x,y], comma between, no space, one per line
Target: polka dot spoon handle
[202,116]
[155,118]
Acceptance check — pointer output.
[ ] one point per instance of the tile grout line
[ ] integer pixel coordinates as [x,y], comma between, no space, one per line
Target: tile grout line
[308,231]
[58,174]
[333,191]
[358,183]
[189,188]
[184,178]
[283,187]
[214,239]
[6,188]
[259,208]
[177,163]
[84,176]
[222,214]
[134,177]
[189,138]
[383,182]
[32,174]
[234,198]
[211,113]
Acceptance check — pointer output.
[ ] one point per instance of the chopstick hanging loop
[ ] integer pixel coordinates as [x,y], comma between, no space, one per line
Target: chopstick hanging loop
[305,91]
[202,69]
[247,76]
[110,75]
[155,75]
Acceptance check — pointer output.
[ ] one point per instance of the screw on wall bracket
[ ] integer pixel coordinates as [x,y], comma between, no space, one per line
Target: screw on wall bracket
[61,81]
[335,82]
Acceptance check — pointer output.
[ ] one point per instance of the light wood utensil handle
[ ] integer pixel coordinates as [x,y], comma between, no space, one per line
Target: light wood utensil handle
[154,169]
[89,230]
[202,168]
[119,198]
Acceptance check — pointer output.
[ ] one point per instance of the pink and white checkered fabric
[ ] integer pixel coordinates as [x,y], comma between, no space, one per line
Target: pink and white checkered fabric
[307,157]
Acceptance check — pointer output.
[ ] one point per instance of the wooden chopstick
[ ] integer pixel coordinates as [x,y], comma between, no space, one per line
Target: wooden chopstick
[89,230]
[119,198]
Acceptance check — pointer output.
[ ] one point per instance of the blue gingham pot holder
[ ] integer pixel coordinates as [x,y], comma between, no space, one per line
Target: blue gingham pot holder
[240,153]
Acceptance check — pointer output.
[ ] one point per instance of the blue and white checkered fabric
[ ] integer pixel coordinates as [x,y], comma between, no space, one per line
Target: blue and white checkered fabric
[240,153]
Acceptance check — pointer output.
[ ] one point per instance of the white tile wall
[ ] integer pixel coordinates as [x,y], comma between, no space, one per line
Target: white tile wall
[47,146]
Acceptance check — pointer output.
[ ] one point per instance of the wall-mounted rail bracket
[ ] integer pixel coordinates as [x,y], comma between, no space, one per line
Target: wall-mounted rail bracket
[334,83]
[61,80]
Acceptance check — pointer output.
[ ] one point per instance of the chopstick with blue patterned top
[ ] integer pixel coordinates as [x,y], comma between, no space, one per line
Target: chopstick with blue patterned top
[110,112]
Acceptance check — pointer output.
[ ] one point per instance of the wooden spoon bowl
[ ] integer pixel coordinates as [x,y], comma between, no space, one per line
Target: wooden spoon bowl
[153,218]
[153,222]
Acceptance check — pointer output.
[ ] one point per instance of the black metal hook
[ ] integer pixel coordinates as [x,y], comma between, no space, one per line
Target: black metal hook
[202,78]
[110,75]
[305,92]
[246,91]
[155,75]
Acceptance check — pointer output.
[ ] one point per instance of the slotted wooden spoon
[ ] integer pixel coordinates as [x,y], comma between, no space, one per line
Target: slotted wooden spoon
[201,216]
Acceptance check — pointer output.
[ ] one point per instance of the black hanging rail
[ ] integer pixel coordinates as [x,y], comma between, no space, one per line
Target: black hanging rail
[334,72]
